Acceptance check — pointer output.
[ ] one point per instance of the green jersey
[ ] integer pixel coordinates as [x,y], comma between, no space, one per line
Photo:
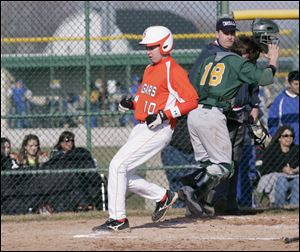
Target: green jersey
[220,77]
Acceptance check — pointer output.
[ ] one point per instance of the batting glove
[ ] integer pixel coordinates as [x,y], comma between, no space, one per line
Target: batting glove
[125,104]
[156,119]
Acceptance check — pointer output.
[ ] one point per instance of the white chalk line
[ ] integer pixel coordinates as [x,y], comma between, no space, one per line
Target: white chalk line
[241,238]
[104,234]
[117,236]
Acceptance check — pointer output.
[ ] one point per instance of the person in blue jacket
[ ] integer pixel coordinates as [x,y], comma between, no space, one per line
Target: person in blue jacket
[285,107]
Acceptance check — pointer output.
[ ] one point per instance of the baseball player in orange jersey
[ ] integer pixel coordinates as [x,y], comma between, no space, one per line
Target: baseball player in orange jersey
[164,94]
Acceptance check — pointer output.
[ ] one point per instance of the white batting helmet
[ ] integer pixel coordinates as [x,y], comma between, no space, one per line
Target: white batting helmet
[158,35]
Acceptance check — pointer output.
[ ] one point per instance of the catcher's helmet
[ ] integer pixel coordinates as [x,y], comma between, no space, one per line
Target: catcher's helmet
[158,35]
[265,32]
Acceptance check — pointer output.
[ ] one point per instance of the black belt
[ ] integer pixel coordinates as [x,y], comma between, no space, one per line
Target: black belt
[206,106]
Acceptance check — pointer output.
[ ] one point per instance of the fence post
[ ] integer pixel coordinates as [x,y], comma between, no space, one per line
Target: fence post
[88,73]
[222,8]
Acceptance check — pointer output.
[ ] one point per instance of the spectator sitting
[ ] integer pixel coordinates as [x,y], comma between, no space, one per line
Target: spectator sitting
[30,152]
[8,159]
[280,169]
[66,142]
[31,157]
[285,107]
[66,155]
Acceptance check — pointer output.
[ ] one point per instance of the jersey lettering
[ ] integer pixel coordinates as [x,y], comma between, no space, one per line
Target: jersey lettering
[149,90]
[160,91]
[215,76]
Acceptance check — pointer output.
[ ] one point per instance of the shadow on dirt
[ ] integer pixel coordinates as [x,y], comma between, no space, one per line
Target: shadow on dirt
[173,222]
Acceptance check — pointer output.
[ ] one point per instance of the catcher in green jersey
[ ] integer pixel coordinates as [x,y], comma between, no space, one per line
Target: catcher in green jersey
[217,81]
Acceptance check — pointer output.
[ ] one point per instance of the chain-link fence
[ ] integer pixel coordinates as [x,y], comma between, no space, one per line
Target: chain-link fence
[66,65]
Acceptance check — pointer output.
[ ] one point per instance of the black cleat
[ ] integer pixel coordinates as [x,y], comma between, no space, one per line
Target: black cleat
[162,206]
[113,225]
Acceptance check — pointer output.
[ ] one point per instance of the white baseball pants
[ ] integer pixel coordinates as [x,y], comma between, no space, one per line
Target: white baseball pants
[141,145]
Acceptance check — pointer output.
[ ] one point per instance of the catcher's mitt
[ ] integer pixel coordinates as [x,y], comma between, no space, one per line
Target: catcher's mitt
[259,133]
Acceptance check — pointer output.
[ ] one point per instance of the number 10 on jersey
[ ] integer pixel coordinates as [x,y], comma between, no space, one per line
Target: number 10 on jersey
[149,107]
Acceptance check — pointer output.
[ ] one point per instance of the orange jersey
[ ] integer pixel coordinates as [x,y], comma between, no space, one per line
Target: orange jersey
[165,86]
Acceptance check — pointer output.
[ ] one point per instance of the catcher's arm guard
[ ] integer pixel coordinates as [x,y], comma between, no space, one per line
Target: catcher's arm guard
[259,133]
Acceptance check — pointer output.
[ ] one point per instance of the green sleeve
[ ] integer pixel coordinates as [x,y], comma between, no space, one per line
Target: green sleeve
[250,73]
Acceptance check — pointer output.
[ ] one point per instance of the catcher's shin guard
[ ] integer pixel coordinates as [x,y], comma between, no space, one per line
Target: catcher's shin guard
[192,178]
[206,174]
[204,180]
[210,177]
[205,186]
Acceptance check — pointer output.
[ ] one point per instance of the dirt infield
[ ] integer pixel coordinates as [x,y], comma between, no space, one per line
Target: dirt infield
[251,232]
